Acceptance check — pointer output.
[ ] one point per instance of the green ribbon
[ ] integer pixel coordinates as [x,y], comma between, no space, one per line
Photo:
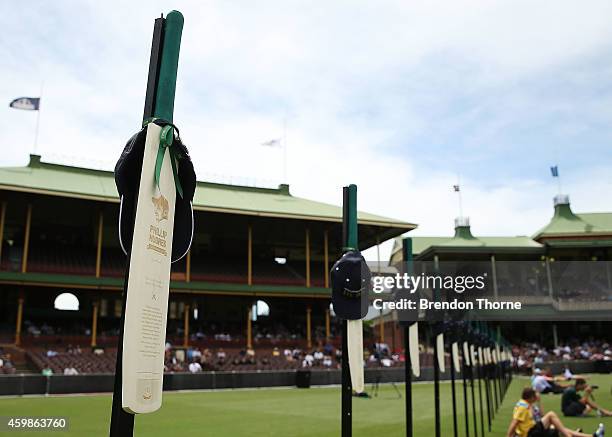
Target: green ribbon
[166,141]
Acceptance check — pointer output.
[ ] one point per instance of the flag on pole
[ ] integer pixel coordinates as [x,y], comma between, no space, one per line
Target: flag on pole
[26,103]
[554,171]
[456,188]
[276,142]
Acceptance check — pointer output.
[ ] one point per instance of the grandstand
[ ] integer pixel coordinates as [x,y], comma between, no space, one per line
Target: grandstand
[549,270]
[59,233]
[58,226]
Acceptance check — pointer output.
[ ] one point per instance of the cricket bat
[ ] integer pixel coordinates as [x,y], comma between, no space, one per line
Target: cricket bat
[466,353]
[148,284]
[413,335]
[355,353]
[455,349]
[440,357]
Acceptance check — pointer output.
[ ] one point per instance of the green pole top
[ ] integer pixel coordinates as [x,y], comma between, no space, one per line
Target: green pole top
[352,234]
[166,85]
[408,255]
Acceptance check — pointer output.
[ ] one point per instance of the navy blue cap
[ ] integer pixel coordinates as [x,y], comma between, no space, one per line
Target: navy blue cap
[127,179]
[351,283]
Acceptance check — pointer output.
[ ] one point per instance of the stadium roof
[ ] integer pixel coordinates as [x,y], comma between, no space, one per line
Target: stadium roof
[76,182]
[565,223]
[464,242]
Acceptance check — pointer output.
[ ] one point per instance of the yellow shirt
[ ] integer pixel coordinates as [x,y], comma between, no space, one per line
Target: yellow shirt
[522,413]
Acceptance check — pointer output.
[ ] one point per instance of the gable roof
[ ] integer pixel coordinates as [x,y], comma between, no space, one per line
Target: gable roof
[77,182]
[464,241]
[565,223]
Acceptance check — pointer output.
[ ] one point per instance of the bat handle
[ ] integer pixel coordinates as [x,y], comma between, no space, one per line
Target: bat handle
[166,85]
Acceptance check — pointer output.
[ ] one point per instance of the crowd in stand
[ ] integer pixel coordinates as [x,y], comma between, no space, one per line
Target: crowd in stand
[6,363]
[528,356]
[197,360]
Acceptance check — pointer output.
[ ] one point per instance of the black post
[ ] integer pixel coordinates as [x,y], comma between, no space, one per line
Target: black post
[488,394]
[473,366]
[436,369]
[350,240]
[452,372]
[466,407]
[408,268]
[496,387]
[122,423]
[347,390]
[479,377]
[408,377]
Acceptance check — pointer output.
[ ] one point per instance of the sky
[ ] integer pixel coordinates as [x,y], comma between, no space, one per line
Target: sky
[402,98]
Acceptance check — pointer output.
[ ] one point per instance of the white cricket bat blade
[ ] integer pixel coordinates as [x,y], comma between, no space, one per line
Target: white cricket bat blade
[440,345]
[466,353]
[148,284]
[455,349]
[354,331]
[413,343]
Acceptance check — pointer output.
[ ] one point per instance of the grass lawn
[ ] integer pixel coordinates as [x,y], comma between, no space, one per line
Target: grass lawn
[282,412]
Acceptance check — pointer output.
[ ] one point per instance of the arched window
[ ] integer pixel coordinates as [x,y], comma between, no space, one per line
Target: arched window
[66,302]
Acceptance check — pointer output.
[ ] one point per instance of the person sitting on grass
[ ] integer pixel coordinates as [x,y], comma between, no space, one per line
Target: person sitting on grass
[544,382]
[573,405]
[524,425]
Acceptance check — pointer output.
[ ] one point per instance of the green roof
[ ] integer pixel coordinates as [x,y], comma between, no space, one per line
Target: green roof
[464,241]
[55,179]
[565,223]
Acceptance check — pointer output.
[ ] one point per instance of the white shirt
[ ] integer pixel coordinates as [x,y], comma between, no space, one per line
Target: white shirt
[195,367]
[540,383]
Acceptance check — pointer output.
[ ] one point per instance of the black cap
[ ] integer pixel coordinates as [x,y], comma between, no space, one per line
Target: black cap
[127,179]
[351,283]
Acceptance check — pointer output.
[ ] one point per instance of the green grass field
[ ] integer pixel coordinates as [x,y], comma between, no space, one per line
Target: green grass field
[281,412]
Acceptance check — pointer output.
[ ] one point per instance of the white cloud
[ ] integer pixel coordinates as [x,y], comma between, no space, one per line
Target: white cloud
[394,96]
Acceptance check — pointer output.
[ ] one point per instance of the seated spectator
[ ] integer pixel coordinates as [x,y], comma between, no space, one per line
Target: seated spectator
[544,383]
[573,405]
[275,352]
[46,371]
[221,356]
[523,423]
[309,358]
[195,367]
[386,362]
[51,353]
[70,370]
[327,361]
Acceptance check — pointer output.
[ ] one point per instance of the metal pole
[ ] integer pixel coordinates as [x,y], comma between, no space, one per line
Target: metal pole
[436,370]
[436,366]
[347,390]
[479,377]
[408,378]
[454,395]
[122,423]
[408,260]
[350,240]
[472,371]
[466,406]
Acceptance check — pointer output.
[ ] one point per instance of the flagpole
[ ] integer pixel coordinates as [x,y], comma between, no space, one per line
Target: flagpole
[38,118]
[285,181]
[459,194]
